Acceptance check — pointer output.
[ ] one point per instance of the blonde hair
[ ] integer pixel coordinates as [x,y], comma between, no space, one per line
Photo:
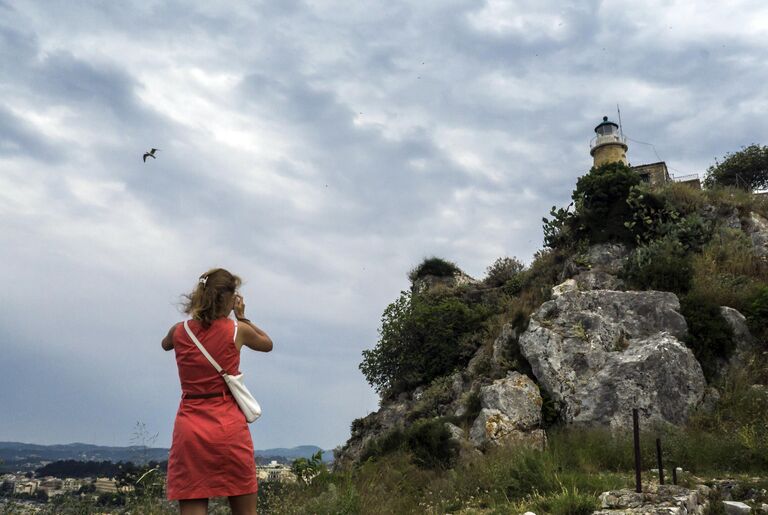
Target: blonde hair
[207,302]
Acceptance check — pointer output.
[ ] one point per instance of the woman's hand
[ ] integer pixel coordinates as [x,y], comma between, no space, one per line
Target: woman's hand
[239,307]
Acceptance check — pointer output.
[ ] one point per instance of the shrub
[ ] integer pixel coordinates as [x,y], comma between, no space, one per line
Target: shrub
[421,339]
[601,202]
[655,215]
[427,441]
[709,335]
[503,270]
[650,216]
[660,265]
[562,230]
[433,266]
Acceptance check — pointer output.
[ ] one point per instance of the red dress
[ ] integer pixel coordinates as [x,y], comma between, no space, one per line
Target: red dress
[212,451]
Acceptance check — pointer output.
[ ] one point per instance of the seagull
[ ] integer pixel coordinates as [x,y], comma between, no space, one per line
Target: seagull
[151,154]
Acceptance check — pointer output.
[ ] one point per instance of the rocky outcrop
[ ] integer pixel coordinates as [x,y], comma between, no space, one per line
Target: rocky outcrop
[601,353]
[742,338]
[510,414]
[756,228]
[598,268]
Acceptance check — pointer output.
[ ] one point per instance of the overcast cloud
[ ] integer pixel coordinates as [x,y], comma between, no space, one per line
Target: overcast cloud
[320,150]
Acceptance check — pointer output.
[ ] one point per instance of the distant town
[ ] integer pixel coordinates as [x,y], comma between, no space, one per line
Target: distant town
[81,472]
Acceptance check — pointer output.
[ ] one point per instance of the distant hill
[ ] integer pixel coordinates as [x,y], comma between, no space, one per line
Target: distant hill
[26,456]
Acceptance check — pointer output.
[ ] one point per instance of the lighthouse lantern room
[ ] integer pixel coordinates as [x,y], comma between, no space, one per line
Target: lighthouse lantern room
[609,145]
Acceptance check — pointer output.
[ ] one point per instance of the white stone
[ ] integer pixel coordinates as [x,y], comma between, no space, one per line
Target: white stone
[568,285]
[736,508]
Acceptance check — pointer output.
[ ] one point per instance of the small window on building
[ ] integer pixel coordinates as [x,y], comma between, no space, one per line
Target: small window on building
[645,177]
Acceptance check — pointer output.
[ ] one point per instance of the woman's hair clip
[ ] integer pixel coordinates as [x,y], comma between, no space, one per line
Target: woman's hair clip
[203,280]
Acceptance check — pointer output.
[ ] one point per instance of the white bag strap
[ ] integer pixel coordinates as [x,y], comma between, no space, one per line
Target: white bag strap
[202,349]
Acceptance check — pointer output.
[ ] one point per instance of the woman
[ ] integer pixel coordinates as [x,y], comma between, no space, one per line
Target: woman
[212,451]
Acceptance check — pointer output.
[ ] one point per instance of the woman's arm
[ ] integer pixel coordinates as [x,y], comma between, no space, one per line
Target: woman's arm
[249,335]
[252,337]
[167,342]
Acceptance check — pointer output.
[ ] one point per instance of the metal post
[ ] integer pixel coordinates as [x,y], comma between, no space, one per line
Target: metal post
[636,427]
[658,461]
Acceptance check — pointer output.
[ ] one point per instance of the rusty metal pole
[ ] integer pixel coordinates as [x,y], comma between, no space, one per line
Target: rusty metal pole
[658,461]
[636,427]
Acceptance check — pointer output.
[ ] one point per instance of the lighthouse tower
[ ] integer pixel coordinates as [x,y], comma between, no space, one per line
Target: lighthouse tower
[609,145]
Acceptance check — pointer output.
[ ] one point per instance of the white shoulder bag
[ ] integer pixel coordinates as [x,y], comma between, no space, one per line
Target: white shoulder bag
[248,405]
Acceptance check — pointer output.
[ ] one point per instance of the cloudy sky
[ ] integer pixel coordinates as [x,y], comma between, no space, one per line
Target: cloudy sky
[319,149]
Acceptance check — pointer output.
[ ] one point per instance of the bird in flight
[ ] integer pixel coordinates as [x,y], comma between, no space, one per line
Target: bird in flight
[151,154]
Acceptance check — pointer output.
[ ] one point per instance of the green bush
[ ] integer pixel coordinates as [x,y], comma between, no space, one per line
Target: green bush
[433,266]
[658,214]
[660,265]
[562,230]
[650,215]
[709,335]
[422,337]
[601,202]
[428,442]
[503,270]
[600,209]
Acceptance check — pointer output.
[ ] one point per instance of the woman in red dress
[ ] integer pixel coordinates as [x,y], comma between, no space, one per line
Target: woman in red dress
[212,451]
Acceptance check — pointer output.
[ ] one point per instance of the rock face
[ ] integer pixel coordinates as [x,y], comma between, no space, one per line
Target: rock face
[601,353]
[511,413]
[742,338]
[598,268]
[757,229]
[508,334]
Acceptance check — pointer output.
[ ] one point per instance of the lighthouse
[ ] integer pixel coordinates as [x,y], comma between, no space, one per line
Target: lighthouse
[609,145]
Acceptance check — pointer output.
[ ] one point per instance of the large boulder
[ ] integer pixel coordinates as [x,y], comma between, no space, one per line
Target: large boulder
[601,353]
[510,414]
[743,341]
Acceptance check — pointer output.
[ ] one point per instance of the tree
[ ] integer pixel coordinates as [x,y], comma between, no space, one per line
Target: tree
[420,340]
[746,169]
[305,469]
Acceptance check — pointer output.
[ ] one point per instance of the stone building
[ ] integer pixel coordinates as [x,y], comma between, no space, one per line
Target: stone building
[275,471]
